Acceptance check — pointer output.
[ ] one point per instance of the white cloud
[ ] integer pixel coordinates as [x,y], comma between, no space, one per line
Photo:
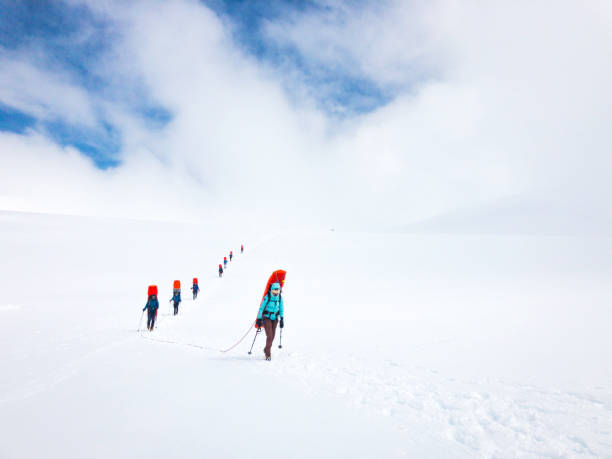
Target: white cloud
[383,41]
[43,94]
[510,99]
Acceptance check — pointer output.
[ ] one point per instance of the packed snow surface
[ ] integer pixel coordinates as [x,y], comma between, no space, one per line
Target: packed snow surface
[395,345]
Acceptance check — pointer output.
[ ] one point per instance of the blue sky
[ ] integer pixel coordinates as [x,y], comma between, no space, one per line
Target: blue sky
[70,39]
[354,94]
[53,32]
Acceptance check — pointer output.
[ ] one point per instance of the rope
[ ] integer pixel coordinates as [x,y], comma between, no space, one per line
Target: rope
[199,346]
[239,341]
[166,341]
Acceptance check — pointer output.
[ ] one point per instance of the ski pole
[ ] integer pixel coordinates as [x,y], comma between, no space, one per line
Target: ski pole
[140,321]
[280,344]
[256,333]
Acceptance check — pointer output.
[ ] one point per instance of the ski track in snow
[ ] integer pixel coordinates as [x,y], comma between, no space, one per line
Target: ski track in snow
[59,374]
[71,368]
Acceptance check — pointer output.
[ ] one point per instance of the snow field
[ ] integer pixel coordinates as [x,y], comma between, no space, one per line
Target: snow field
[394,345]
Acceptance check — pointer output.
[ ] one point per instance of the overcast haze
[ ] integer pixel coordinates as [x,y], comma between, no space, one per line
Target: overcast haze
[356,115]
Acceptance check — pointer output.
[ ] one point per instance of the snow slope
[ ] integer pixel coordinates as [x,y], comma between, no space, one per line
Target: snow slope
[395,345]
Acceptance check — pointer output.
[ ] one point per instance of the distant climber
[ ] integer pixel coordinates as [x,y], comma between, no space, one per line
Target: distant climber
[195,288]
[176,296]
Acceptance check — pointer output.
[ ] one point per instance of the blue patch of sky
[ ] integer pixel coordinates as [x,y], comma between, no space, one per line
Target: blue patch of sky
[338,92]
[71,39]
[14,121]
[55,29]
[101,144]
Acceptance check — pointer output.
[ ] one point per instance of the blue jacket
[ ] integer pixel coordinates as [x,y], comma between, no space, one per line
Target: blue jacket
[271,306]
[195,288]
[152,304]
[176,297]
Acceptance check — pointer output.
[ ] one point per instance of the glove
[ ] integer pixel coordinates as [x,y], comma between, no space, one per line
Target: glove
[259,323]
[282,322]
[143,309]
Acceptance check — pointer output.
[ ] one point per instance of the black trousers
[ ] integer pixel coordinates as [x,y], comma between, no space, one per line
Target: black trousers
[176,308]
[151,316]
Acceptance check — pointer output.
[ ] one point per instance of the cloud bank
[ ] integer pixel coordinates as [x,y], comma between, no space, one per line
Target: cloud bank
[485,103]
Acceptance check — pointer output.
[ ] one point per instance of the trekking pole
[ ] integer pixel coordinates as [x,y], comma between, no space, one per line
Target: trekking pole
[280,344]
[256,333]
[140,321]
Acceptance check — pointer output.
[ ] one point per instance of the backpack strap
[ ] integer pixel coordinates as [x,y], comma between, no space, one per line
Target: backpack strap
[280,296]
[267,301]
[268,296]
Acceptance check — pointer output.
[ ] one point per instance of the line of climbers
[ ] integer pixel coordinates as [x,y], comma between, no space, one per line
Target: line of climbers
[269,316]
[152,305]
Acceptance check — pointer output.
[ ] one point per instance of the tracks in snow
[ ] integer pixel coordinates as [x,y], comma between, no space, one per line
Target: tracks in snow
[490,418]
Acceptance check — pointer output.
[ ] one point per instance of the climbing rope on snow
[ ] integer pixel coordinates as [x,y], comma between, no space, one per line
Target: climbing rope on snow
[167,341]
[199,346]
[239,341]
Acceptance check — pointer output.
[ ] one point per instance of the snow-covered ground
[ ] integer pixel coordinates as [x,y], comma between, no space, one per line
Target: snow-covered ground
[395,345]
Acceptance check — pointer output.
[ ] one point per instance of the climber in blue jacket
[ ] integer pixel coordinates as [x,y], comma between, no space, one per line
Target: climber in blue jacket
[270,311]
[176,298]
[152,306]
